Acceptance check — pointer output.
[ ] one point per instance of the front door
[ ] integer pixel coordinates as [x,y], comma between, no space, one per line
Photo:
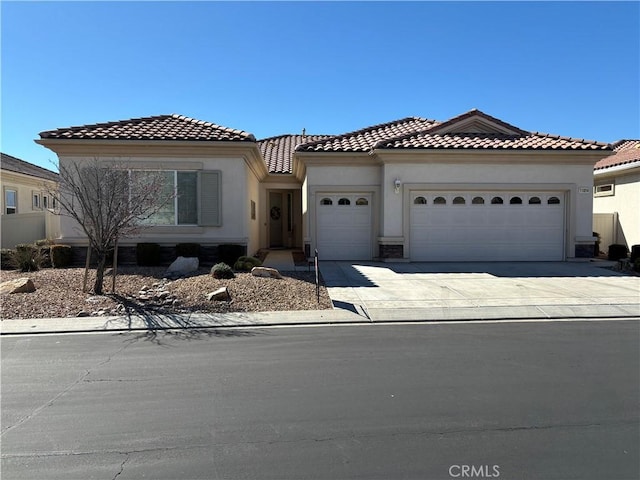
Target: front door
[275,219]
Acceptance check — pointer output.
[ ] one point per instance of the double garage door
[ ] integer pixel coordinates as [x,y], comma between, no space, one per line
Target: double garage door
[343,228]
[450,226]
[487,226]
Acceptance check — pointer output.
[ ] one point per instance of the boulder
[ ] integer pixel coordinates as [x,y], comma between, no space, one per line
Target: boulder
[182,266]
[19,285]
[219,295]
[265,272]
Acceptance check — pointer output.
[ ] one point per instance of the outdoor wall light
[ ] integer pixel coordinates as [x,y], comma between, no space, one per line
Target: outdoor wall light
[397,184]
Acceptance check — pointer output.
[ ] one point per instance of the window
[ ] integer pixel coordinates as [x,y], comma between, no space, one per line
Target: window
[253,210]
[604,190]
[45,201]
[497,201]
[344,201]
[54,203]
[194,198]
[477,201]
[515,201]
[326,201]
[459,201]
[362,201]
[10,201]
[439,201]
[553,201]
[36,201]
[534,201]
[420,201]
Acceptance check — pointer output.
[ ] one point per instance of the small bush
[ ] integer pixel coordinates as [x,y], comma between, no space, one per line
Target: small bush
[245,264]
[5,258]
[229,253]
[188,250]
[26,258]
[617,251]
[222,270]
[61,256]
[148,254]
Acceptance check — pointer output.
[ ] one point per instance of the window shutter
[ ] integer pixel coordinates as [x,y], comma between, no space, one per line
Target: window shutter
[210,209]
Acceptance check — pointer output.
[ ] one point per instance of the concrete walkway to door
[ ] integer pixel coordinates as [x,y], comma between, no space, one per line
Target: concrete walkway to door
[464,291]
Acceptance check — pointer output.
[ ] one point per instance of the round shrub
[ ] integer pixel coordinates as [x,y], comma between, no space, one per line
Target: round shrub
[147,254]
[617,251]
[61,256]
[222,270]
[245,264]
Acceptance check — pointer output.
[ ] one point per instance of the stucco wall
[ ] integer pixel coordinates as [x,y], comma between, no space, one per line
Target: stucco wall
[234,201]
[25,186]
[625,201]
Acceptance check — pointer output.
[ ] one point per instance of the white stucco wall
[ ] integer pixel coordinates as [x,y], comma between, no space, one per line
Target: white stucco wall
[253,224]
[625,201]
[234,201]
[575,180]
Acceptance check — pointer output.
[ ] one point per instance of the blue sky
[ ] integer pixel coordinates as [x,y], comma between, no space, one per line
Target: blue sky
[568,68]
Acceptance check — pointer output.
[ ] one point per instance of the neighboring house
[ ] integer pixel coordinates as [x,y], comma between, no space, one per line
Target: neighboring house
[26,205]
[470,188]
[616,195]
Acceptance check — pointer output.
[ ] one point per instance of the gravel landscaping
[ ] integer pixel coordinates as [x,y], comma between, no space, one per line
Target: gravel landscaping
[59,293]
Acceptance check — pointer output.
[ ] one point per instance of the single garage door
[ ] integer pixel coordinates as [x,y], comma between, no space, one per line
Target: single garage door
[343,228]
[487,226]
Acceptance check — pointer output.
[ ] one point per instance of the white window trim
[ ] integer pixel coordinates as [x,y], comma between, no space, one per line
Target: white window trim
[609,190]
[6,205]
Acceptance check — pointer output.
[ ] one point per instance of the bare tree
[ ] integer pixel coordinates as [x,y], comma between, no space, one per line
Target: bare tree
[109,202]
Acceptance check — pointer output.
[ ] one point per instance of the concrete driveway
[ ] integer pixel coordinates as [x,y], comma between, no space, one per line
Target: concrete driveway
[463,291]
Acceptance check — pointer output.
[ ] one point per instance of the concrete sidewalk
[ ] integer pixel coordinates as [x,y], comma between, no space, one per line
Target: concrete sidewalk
[370,292]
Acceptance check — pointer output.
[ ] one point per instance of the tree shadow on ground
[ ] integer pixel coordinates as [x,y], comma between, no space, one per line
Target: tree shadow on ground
[153,323]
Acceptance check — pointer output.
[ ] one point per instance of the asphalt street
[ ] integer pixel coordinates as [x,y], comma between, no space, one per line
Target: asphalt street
[557,400]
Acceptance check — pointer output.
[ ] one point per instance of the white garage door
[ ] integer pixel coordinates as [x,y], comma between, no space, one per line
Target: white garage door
[343,228]
[487,226]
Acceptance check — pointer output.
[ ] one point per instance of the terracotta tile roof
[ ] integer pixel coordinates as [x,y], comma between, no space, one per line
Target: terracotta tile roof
[483,141]
[13,164]
[277,151]
[627,151]
[363,140]
[161,127]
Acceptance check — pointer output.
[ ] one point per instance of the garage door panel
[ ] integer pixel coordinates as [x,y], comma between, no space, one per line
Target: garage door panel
[343,231]
[491,232]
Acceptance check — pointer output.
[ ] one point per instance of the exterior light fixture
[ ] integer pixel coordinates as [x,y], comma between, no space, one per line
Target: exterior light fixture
[397,185]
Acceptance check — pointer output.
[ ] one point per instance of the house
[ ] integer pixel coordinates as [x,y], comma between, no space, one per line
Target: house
[26,205]
[470,188]
[616,195]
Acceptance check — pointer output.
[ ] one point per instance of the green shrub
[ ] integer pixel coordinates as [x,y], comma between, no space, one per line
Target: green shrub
[229,253]
[188,250]
[26,258]
[245,264]
[222,270]
[148,254]
[617,251]
[5,258]
[61,256]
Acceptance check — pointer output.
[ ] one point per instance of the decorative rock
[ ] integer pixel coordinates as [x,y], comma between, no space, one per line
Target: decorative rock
[82,314]
[219,295]
[19,285]
[182,266]
[265,272]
